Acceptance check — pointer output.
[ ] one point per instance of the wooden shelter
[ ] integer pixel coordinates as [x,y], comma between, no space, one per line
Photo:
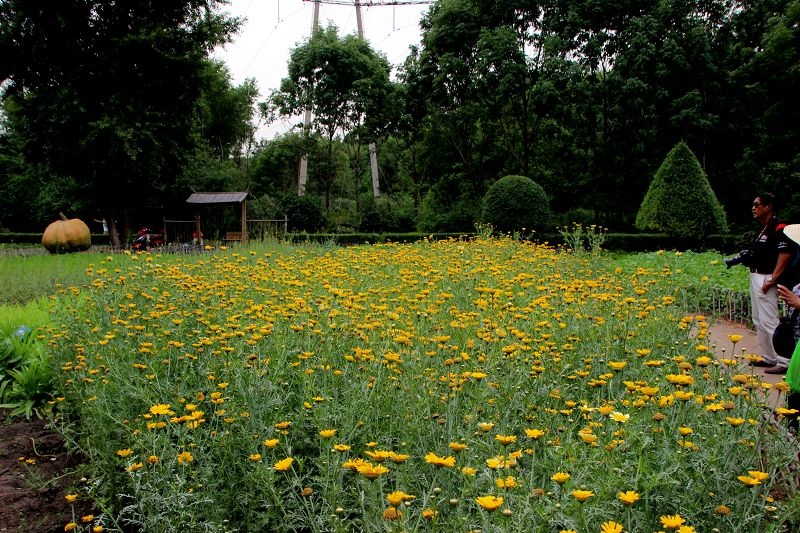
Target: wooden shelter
[209,198]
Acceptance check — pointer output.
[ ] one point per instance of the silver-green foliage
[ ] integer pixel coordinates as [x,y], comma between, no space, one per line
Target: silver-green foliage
[680,201]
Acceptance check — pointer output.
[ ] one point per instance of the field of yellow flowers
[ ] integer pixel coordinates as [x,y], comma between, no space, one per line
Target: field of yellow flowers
[461,385]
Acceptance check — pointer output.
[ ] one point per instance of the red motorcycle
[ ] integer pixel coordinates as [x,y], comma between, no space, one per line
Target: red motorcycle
[146,238]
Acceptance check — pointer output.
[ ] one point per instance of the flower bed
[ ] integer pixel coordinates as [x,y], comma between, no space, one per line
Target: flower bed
[448,385]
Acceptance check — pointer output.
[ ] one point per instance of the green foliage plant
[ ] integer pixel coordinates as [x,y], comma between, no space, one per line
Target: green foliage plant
[304,212]
[26,378]
[514,203]
[580,238]
[680,201]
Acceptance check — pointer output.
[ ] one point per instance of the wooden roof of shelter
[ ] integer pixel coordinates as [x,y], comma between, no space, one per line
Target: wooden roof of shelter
[217,197]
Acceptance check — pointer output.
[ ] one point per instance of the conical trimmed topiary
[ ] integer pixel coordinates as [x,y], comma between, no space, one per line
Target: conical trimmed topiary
[680,201]
[514,203]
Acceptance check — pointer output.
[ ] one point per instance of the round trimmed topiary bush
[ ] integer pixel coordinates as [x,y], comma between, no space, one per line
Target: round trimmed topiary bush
[514,203]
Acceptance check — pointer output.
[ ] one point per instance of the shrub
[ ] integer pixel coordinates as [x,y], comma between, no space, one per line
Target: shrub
[304,212]
[516,202]
[389,213]
[680,201]
[435,215]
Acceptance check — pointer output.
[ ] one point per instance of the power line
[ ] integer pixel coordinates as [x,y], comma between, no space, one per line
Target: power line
[371,3]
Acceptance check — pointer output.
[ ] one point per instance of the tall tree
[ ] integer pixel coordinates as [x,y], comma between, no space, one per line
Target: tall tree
[344,83]
[768,79]
[105,93]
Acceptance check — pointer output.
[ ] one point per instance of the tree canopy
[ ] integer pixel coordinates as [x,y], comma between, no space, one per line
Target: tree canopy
[586,97]
[104,98]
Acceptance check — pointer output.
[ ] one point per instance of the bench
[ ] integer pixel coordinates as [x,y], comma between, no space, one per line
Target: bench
[233,236]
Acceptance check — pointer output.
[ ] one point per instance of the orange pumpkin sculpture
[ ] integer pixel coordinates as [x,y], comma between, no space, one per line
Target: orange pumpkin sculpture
[67,235]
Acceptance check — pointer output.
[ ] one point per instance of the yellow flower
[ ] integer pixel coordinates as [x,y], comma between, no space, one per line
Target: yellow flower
[611,527]
[341,447]
[457,446]
[378,456]
[353,464]
[392,513]
[97,529]
[485,426]
[87,518]
[616,416]
[560,477]
[534,433]
[735,338]
[70,497]
[161,409]
[686,529]
[283,425]
[735,422]
[127,452]
[306,492]
[468,471]
[495,462]
[153,459]
[327,433]
[284,464]
[722,510]
[371,471]
[582,495]
[757,474]
[437,461]
[509,482]
[429,514]
[749,481]
[185,457]
[254,457]
[271,443]
[398,497]
[629,497]
[134,467]
[505,440]
[490,503]
[672,521]
[398,457]
[70,526]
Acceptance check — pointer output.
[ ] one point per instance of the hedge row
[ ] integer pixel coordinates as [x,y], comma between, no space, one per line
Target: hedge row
[622,242]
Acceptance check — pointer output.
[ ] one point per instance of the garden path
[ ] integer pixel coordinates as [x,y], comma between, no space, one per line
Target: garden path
[718,334]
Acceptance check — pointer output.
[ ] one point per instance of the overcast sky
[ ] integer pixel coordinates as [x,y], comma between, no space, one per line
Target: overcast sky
[274,27]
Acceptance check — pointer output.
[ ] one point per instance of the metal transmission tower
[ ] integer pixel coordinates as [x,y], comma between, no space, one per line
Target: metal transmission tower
[373,157]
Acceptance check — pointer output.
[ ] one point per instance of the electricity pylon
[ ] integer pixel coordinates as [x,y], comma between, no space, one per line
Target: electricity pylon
[373,155]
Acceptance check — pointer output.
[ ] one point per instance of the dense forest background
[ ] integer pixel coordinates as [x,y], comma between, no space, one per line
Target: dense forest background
[113,109]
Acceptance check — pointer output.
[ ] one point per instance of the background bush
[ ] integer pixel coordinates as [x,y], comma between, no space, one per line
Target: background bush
[304,212]
[516,202]
[393,213]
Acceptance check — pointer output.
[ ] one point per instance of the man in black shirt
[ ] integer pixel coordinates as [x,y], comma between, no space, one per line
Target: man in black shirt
[771,254]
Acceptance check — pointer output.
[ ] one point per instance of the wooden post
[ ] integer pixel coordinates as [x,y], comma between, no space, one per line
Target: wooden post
[244,220]
[302,173]
[373,155]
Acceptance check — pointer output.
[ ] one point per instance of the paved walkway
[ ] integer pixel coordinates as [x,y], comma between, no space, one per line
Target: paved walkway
[718,334]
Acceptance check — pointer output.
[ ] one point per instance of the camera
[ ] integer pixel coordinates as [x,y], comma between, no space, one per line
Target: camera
[742,258]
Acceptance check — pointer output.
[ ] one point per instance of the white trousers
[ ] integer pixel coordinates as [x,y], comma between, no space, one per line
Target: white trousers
[765,317]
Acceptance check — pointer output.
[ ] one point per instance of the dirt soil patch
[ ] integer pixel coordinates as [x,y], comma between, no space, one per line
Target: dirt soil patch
[36,472]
